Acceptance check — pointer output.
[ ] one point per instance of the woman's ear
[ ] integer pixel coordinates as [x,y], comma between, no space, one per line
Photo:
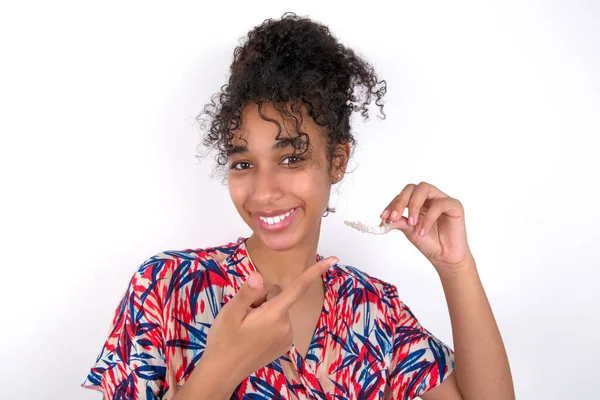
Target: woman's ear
[340,162]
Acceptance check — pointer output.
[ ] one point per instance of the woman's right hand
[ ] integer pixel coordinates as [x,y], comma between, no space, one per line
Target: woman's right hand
[254,327]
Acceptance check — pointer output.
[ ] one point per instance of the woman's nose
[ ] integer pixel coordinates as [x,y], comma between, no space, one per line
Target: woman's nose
[267,186]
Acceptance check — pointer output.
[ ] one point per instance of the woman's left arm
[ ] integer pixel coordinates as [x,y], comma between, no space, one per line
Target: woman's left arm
[436,226]
[481,365]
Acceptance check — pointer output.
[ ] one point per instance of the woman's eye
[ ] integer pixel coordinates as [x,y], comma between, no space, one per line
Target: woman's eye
[241,165]
[291,160]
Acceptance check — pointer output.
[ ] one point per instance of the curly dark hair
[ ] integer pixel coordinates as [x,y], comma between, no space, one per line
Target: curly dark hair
[290,63]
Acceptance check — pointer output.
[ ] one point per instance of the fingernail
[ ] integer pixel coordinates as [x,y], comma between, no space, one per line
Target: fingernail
[422,232]
[411,221]
[394,215]
[333,261]
[254,280]
[385,214]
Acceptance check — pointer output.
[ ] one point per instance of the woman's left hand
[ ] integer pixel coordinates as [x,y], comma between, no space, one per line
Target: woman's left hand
[435,224]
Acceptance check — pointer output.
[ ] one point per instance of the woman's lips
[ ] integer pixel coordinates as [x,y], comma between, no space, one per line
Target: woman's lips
[277,226]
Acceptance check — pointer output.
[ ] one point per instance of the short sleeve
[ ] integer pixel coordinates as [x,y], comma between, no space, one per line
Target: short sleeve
[420,361]
[131,364]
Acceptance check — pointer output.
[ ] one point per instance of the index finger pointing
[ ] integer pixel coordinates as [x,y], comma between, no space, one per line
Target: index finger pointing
[294,290]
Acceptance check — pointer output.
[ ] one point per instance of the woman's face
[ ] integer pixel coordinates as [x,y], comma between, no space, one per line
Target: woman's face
[281,197]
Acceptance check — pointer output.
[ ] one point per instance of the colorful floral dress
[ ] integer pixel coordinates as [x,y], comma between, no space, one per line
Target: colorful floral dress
[367,343]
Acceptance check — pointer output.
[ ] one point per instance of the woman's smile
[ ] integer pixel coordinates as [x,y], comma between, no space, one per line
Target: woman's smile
[275,221]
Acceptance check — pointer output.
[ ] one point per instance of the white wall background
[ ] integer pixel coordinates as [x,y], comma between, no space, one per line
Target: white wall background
[496,103]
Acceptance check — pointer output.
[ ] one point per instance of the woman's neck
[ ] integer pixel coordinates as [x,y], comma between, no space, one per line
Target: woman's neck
[281,267]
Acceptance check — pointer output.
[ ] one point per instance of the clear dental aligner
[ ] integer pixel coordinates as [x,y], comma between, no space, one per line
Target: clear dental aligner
[375,230]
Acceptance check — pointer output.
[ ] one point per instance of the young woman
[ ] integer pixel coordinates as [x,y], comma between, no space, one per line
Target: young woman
[266,317]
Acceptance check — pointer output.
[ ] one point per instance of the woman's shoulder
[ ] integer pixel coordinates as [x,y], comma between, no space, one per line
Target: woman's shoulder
[356,286]
[168,267]
[350,280]
[355,274]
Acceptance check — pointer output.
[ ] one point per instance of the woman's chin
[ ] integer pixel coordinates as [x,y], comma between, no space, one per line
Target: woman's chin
[279,242]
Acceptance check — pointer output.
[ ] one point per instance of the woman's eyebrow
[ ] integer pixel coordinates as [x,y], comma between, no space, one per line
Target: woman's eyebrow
[283,143]
[279,144]
[237,150]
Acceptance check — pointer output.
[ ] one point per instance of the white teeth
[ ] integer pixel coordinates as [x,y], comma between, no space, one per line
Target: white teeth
[277,219]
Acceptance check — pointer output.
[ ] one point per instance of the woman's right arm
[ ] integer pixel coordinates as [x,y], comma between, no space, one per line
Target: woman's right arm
[250,331]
